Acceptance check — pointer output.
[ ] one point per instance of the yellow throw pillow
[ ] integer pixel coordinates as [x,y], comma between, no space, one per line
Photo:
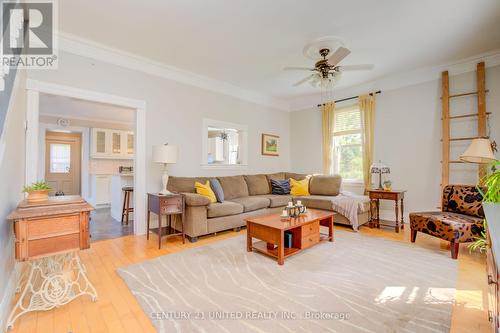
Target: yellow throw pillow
[299,187]
[205,190]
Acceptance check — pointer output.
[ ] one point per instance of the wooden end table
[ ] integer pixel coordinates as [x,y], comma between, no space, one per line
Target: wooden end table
[166,205]
[395,195]
[305,230]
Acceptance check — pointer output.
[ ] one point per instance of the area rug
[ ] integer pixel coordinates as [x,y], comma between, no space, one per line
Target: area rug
[355,284]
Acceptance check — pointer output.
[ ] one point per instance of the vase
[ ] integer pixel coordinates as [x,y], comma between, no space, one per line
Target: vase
[38,196]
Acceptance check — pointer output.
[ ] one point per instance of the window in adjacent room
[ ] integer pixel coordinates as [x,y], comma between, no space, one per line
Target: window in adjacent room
[347,157]
[224,144]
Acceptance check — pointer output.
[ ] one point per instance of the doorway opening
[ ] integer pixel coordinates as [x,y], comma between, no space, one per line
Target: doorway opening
[87,149]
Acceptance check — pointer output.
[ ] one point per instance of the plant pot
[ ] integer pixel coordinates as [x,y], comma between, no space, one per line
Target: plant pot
[38,196]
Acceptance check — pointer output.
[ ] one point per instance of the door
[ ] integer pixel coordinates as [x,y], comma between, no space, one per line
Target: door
[62,162]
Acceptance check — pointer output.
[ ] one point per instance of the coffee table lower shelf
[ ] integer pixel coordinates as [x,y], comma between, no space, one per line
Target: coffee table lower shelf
[261,246]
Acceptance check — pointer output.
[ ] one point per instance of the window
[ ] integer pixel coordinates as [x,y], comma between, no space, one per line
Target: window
[347,153]
[60,158]
[224,144]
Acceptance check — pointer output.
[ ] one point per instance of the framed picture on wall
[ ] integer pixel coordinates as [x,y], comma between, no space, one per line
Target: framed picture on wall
[270,145]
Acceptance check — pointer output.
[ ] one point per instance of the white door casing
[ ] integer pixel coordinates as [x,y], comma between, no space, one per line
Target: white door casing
[34,88]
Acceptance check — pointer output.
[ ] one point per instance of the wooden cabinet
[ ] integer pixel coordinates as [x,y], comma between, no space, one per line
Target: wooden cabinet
[112,144]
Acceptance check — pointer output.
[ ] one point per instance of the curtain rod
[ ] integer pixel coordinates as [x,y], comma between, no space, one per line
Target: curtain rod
[353,97]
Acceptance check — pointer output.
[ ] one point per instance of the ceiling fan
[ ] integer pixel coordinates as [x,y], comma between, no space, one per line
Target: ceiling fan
[326,71]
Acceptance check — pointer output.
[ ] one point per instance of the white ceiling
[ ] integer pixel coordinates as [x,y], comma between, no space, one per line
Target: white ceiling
[247,43]
[73,108]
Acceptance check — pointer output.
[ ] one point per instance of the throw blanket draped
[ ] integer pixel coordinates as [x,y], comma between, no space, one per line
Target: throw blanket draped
[350,205]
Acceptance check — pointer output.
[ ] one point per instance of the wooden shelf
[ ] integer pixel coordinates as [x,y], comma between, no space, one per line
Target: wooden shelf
[262,247]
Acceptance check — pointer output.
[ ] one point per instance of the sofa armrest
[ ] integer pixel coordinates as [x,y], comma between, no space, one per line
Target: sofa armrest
[193,199]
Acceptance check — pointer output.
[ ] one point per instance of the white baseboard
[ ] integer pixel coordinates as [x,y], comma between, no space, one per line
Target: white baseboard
[10,289]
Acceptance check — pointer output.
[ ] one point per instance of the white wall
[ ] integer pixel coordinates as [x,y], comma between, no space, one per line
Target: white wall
[174,114]
[408,134]
[12,156]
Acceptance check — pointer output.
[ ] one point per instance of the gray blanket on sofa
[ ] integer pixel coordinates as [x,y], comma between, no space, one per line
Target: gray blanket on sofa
[350,205]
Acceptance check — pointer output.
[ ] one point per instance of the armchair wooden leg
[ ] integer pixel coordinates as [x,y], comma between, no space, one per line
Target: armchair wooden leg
[454,247]
[413,235]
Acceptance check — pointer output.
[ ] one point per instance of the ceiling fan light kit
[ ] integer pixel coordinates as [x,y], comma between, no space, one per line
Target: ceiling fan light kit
[328,52]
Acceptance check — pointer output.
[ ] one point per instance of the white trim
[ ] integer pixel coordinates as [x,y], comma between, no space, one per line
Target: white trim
[15,89]
[401,79]
[35,87]
[243,149]
[94,119]
[86,48]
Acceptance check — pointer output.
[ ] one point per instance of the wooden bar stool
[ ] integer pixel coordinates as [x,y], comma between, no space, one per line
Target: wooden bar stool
[126,203]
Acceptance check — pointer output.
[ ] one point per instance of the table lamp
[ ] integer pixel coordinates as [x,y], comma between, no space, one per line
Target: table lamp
[166,154]
[480,151]
[380,169]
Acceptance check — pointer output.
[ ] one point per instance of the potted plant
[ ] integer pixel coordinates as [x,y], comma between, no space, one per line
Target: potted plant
[491,205]
[387,185]
[37,192]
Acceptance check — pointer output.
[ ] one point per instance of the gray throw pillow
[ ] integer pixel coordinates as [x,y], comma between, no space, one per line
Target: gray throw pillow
[217,188]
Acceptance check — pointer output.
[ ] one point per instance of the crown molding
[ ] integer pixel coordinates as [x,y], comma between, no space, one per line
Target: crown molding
[402,79]
[86,48]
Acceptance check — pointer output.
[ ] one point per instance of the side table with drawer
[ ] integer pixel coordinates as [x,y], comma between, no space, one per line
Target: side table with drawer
[395,195]
[170,206]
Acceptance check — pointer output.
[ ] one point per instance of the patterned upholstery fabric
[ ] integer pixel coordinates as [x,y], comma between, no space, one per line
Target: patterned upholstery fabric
[452,227]
[461,219]
[463,199]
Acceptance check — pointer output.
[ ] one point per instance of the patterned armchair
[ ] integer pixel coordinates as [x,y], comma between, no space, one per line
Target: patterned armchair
[460,221]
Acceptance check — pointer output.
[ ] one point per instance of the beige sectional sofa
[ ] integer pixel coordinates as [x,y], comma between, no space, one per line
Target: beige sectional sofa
[249,195]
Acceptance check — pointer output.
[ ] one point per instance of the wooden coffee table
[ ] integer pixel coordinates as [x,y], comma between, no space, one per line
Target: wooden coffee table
[305,230]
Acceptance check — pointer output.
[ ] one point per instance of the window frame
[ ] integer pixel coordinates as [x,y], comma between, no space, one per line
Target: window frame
[334,134]
[243,134]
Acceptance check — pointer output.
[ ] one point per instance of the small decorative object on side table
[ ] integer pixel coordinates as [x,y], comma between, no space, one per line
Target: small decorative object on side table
[48,236]
[376,196]
[168,205]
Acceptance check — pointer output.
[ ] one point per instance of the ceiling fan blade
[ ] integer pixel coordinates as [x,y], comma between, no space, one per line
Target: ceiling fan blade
[356,67]
[298,69]
[303,80]
[337,57]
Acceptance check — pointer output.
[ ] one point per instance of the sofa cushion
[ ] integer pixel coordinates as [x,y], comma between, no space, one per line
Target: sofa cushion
[449,226]
[184,184]
[316,201]
[225,208]
[325,185]
[277,200]
[253,203]
[277,176]
[234,187]
[299,187]
[280,186]
[296,176]
[193,199]
[205,190]
[257,184]
[217,188]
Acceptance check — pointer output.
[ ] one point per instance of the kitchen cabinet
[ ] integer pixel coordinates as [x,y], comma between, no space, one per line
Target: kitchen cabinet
[112,144]
[102,189]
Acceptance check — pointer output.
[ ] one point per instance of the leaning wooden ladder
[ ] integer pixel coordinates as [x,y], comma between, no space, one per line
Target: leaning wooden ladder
[481,120]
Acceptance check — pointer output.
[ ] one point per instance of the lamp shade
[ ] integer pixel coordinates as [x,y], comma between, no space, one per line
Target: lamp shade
[479,152]
[165,154]
[379,168]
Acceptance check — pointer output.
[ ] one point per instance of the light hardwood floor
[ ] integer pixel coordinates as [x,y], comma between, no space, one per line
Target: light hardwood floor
[118,311]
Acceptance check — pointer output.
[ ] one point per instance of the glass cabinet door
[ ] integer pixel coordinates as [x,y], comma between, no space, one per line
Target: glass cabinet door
[116,143]
[100,142]
[130,144]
